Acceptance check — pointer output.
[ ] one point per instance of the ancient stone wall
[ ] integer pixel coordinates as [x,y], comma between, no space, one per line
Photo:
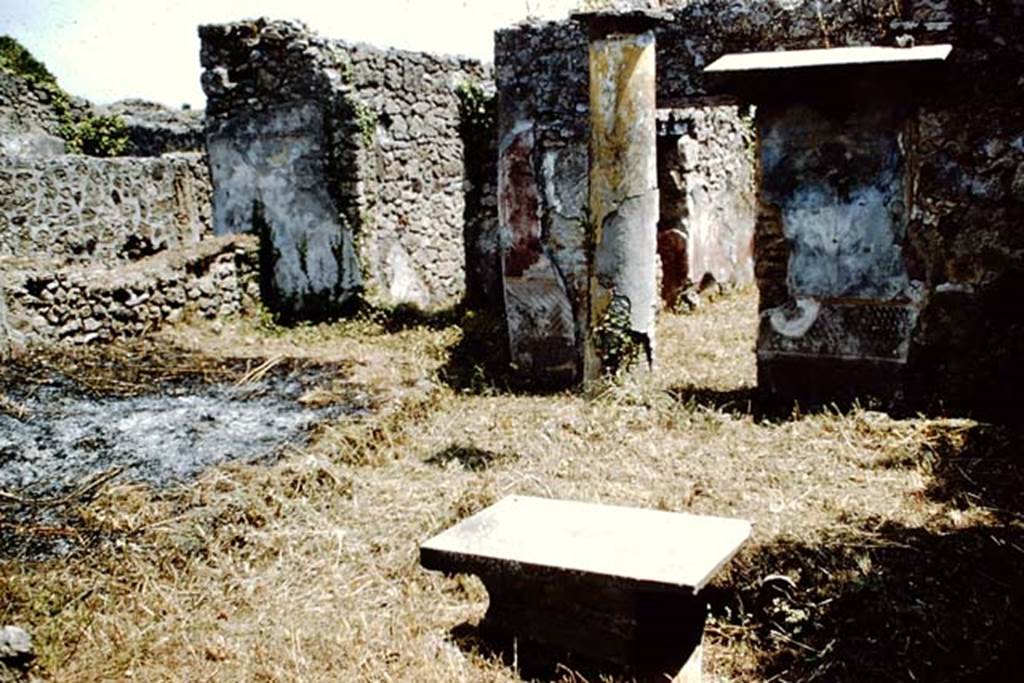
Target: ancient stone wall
[272,89]
[25,106]
[703,30]
[542,76]
[30,120]
[964,228]
[76,208]
[97,249]
[82,304]
[411,245]
[708,204]
[965,169]
[347,158]
[154,129]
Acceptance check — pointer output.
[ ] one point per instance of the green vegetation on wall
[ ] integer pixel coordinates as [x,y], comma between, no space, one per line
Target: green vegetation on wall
[14,58]
[100,136]
[478,112]
[366,120]
[617,345]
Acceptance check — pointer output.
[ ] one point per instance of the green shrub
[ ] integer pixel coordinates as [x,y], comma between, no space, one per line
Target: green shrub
[478,111]
[98,136]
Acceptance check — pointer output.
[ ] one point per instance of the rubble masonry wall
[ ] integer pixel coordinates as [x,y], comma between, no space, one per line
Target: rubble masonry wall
[349,160]
[963,242]
[75,208]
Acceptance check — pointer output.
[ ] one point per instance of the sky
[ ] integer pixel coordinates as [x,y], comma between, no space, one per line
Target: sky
[107,50]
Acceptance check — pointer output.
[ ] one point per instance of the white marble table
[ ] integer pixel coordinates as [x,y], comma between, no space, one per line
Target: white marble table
[606,583]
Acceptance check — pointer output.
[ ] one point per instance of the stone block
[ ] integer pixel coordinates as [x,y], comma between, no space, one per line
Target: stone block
[614,585]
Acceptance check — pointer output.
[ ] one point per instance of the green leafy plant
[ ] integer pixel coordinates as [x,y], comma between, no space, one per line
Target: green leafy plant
[366,120]
[98,136]
[617,344]
[14,58]
[102,136]
[478,110]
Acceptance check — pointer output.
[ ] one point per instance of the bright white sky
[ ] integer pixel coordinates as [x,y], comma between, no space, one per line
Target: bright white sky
[108,50]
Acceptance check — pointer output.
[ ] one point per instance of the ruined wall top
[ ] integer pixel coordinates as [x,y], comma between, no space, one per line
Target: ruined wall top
[25,106]
[542,72]
[382,130]
[256,62]
[985,36]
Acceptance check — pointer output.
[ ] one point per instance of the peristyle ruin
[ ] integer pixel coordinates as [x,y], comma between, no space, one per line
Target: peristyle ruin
[597,172]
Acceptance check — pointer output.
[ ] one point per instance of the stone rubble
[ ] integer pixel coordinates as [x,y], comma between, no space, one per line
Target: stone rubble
[91,304]
[16,650]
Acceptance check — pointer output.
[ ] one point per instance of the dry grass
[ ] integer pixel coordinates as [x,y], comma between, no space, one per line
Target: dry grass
[901,538]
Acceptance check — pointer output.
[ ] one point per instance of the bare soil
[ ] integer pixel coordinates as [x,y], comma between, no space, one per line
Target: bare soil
[885,548]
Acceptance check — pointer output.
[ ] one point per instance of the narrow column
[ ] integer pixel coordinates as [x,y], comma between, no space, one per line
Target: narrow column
[623,192]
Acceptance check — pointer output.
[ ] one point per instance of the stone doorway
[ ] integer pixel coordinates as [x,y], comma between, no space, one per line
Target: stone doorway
[708,201]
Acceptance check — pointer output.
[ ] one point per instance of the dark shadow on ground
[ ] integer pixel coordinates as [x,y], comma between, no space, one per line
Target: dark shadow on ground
[886,603]
[972,465]
[470,458]
[873,600]
[762,406]
[533,662]
[479,363]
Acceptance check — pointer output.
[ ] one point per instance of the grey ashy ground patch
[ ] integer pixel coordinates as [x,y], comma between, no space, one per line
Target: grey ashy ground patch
[66,436]
[63,435]
[59,442]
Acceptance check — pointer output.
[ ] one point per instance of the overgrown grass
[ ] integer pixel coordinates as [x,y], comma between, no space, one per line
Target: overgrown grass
[884,549]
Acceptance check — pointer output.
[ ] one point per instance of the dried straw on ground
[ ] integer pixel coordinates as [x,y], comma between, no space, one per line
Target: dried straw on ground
[884,549]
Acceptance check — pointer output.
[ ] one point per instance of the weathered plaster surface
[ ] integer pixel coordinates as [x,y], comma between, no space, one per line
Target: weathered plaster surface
[835,184]
[539,316]
[269,175]
[542,76]
[377,204]
[708,203]
[623,193]
[840,186]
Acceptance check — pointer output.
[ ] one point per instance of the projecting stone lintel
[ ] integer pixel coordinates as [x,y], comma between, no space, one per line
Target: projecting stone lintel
[601,23]
[784,60]
[854,76]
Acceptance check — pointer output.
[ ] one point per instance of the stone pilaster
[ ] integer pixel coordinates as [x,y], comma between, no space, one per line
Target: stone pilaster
[623,199]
